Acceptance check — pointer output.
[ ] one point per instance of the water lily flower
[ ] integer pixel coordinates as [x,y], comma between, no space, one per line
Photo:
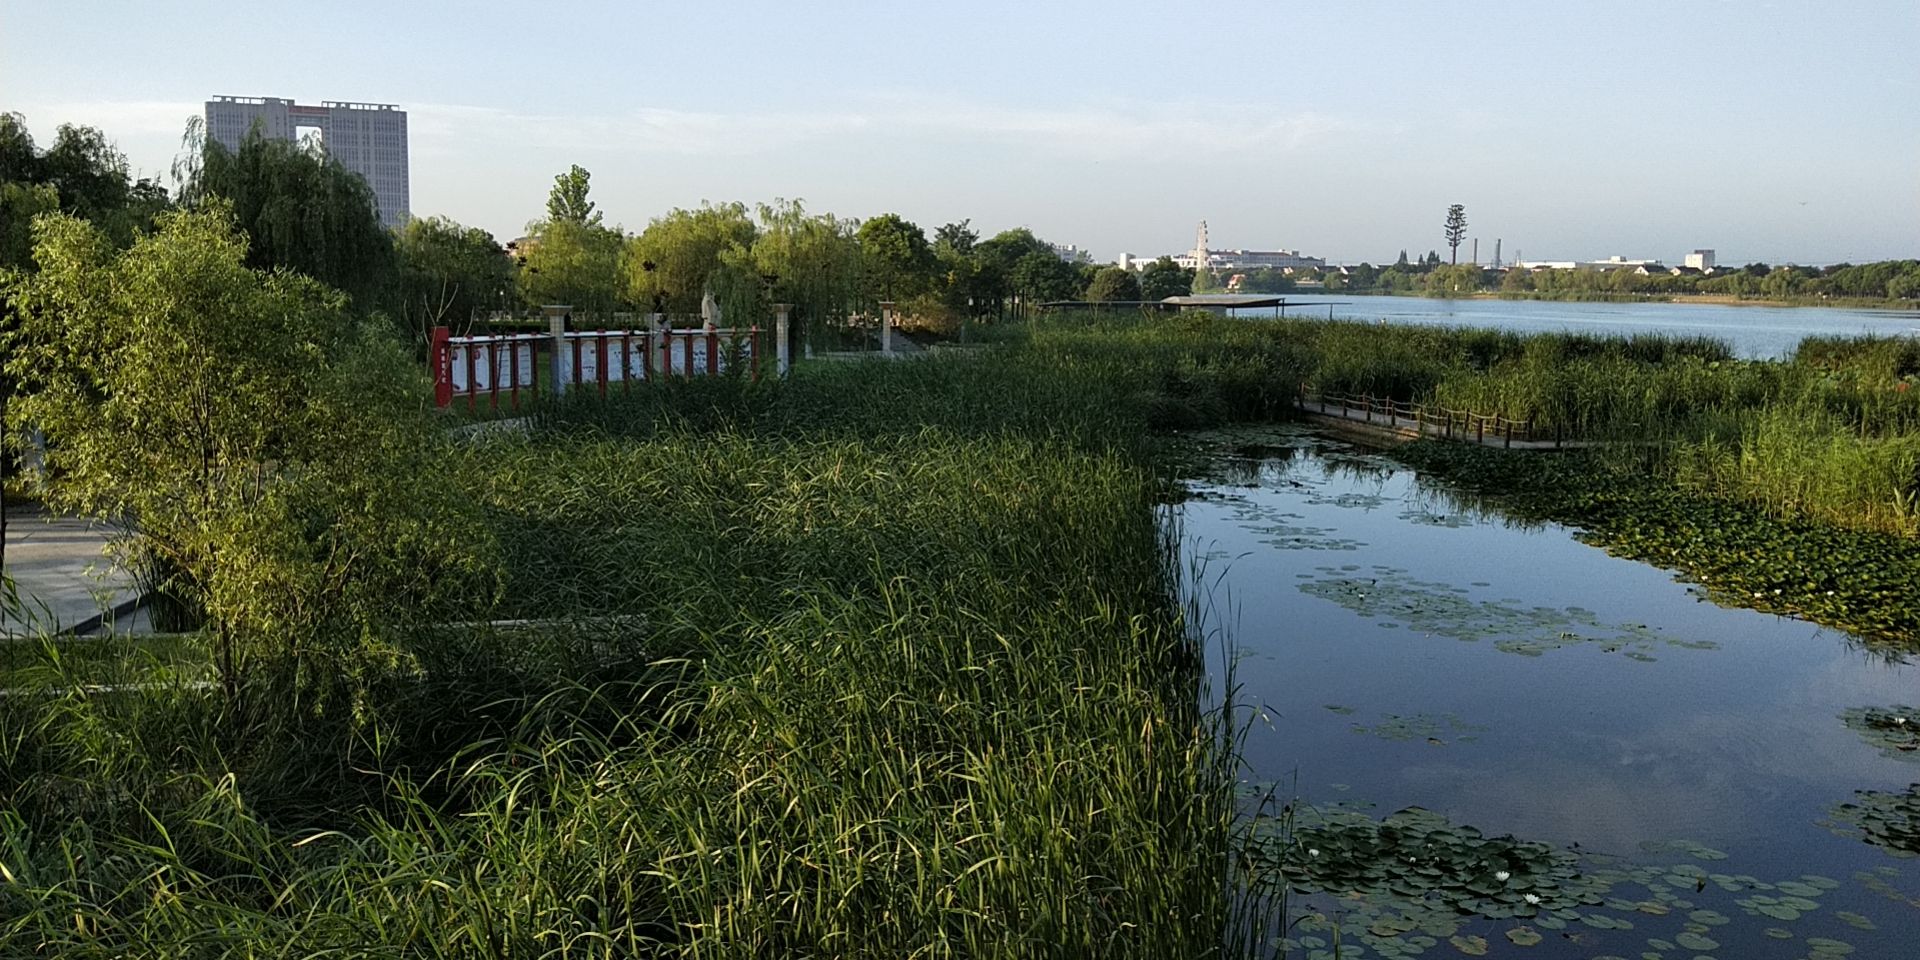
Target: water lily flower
[1501,875]
[1313,851]
[1532,899]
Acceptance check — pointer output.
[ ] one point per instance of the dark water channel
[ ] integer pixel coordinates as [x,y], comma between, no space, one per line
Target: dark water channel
[1672,772]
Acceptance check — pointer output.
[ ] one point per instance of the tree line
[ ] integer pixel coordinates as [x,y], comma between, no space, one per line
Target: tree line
[302,211]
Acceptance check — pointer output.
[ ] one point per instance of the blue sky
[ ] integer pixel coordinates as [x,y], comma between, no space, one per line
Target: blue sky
[1769,131]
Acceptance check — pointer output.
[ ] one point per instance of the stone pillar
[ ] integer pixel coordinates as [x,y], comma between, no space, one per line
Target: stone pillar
[886,328]
[782,326]
[558,316]
[657,343]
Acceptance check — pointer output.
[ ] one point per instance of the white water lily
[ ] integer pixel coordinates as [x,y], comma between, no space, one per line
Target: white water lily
[1531,898]
[1313,851]
[1501,875]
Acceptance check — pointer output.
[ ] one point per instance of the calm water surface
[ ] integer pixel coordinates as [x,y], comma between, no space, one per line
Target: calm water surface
[1753,331]
[1407,650]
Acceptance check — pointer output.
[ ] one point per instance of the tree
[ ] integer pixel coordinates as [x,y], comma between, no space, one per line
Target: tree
[681,256]
[955,238]
[300,210]
[1266,280]
[267,448]
[82,173]
[810,262]
[449,273]
[1456,228]
[1042,276]
[568,203]
[1163,278]
[572,263]
[1402,262]
[1114,283]
[899,262]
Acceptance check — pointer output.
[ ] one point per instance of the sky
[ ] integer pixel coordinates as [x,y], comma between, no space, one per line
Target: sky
[1773,131]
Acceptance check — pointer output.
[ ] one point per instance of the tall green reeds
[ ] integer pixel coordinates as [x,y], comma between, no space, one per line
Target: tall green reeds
[884,661]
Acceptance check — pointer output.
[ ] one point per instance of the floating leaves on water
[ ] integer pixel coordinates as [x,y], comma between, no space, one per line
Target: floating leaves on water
[1413,879]
[1893,730]
[1433,728]
[1524,936]
[1392,597]
[1698,851]
[1855,920]
[1890,821]
[1698,942]
[1339,709]
[1471,946]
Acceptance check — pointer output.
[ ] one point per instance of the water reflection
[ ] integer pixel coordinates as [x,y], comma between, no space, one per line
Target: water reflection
[1380,615]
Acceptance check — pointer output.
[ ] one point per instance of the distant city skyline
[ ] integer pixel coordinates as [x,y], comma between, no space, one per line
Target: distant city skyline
[1774,132]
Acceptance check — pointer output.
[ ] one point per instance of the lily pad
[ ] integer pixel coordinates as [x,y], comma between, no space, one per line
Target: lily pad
[1524,936]
[1471,946]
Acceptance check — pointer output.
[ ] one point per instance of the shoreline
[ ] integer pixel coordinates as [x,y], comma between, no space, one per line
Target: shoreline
[1690,299]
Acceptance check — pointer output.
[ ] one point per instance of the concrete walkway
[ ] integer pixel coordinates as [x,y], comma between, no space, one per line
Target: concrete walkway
[62,576]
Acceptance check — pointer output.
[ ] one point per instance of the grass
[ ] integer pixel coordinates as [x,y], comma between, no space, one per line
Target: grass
[881,661]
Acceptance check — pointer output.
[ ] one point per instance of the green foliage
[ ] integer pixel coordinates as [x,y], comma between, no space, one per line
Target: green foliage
[576,264]
[81,174]
[1265,280]
[898,261]
[568,203]
[1040,276]
[1114,283]
[1163,278]
[301,210]
[265,447]
[688,251]
[450,274]
[814,261]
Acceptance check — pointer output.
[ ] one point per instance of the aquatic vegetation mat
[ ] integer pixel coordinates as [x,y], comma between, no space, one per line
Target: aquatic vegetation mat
[1414,882]
[1893,730]
[1394,598]
[1890,821]
[1438,729]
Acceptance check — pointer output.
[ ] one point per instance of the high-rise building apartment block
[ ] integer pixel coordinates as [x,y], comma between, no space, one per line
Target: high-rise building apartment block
[369,139]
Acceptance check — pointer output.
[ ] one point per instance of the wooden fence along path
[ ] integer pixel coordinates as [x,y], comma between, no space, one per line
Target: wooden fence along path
[1415,420]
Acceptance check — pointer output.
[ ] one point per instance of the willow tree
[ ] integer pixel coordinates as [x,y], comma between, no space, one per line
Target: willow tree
[810,261]
[449,273]
[686,254]
[301,209]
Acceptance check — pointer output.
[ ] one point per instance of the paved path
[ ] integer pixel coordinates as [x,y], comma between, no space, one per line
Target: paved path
[61,575]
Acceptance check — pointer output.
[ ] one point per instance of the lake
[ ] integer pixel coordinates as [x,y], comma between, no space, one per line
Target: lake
[1673,774]
[1753,331]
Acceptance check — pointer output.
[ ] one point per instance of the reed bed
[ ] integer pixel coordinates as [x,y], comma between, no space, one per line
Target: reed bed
[886,660]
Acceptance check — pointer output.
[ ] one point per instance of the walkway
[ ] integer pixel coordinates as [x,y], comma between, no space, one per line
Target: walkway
[1391,420]
[61,576]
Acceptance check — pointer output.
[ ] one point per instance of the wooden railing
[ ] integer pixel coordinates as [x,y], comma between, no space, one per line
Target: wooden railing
[1427,420]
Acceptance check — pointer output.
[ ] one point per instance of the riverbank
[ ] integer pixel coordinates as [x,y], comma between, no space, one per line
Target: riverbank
[1858,581]
[1676,299]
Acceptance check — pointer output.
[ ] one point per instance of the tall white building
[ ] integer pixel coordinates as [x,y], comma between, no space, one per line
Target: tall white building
[369,139]
[1701,260]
